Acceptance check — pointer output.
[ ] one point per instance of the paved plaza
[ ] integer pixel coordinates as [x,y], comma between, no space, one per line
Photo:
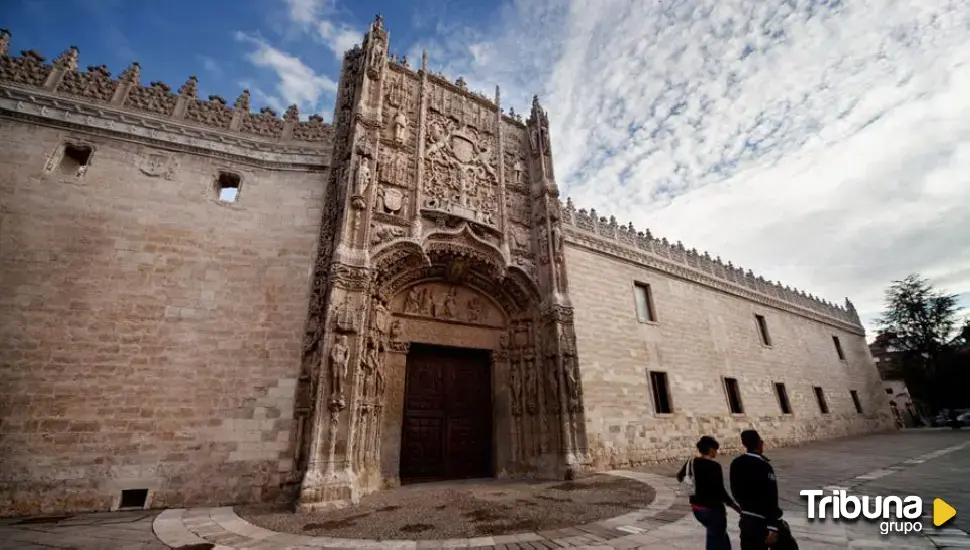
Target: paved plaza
[926,463]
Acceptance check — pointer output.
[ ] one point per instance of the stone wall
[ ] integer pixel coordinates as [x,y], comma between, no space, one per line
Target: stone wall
[701,335]
[150,334]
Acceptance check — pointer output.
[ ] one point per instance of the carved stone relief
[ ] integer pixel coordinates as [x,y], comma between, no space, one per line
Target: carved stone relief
[398,92]
[395,168]
[517,208]
[380,234]
[520,240]
[158,165]
[448,302]
[459,176]
[391,201]
[543,244]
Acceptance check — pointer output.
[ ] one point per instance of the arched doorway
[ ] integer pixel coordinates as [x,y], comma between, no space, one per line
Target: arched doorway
[454,401]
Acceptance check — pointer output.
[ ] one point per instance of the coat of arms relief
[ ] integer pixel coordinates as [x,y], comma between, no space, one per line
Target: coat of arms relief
[459,176]
[158,165]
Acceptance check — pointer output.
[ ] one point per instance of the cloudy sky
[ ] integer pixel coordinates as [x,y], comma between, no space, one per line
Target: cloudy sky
[822,143]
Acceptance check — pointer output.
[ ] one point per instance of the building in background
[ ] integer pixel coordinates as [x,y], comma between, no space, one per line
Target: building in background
[205,305]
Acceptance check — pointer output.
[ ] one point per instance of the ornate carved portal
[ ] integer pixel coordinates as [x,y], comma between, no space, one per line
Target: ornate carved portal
[441,227]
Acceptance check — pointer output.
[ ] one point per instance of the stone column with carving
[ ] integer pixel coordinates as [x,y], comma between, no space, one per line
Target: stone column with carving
[560,381]
[345,382]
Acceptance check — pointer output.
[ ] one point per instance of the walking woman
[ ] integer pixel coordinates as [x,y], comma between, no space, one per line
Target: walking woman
[705,480]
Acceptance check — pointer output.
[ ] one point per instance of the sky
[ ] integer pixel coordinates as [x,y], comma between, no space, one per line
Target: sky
[821,143]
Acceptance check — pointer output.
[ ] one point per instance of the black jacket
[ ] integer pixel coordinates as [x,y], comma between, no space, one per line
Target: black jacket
[708,483]
[754,486]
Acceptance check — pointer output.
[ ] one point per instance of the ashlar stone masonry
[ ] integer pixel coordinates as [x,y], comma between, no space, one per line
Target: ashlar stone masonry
[206,306]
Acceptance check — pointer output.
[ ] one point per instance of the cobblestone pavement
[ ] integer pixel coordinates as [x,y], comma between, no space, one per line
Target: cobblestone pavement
[928,463]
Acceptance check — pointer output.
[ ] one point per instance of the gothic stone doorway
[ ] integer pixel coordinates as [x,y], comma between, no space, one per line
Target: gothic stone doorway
[447,424]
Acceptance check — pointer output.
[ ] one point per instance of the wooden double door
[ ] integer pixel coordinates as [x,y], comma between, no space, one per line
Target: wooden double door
[447,425]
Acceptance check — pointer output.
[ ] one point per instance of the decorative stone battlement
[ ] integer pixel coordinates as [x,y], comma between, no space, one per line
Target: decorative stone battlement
[643,248]
[95,85]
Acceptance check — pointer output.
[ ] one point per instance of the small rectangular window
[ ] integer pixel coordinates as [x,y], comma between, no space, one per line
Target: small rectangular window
[855,401]
[763,329]
[820,397]
[733,395]
[75,160]
[782,398]
[644,301]
[227,187]
[838,347]
[661,392]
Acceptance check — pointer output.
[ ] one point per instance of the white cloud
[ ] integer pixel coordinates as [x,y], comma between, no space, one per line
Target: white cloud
[210,65]
[298,84]
[823,144]
[318,18]
[339,38]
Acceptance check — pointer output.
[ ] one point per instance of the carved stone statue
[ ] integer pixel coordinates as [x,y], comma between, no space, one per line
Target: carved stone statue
[474,309]
[363,178]
[517,170]
[400,127]
[373,364]
[530,387]
[552,380]
[378,373]
[380,319]
[339,355]
[543,244]
[448,303]
[515,387]
[556,242]
[396,331]
[412,302]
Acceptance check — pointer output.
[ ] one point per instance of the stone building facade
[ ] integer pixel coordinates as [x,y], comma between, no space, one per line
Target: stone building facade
[203,305]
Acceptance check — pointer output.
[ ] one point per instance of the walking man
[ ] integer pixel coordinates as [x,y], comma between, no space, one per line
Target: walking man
[709,495]
[755,488]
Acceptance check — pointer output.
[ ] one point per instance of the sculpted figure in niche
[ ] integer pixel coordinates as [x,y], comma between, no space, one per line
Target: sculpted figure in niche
[412,301]
[517,169]
[363,177]
[378,374]
[543,244]
[380,319]
[339,355]
[448,304]
[552,380]
[530,387]
[556,242]
[400,127]
[474,308]
[396,331]
[515,386]
[376,54]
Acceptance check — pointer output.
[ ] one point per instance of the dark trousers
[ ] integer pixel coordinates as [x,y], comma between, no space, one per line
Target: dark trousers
[754,531]
[715,521]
